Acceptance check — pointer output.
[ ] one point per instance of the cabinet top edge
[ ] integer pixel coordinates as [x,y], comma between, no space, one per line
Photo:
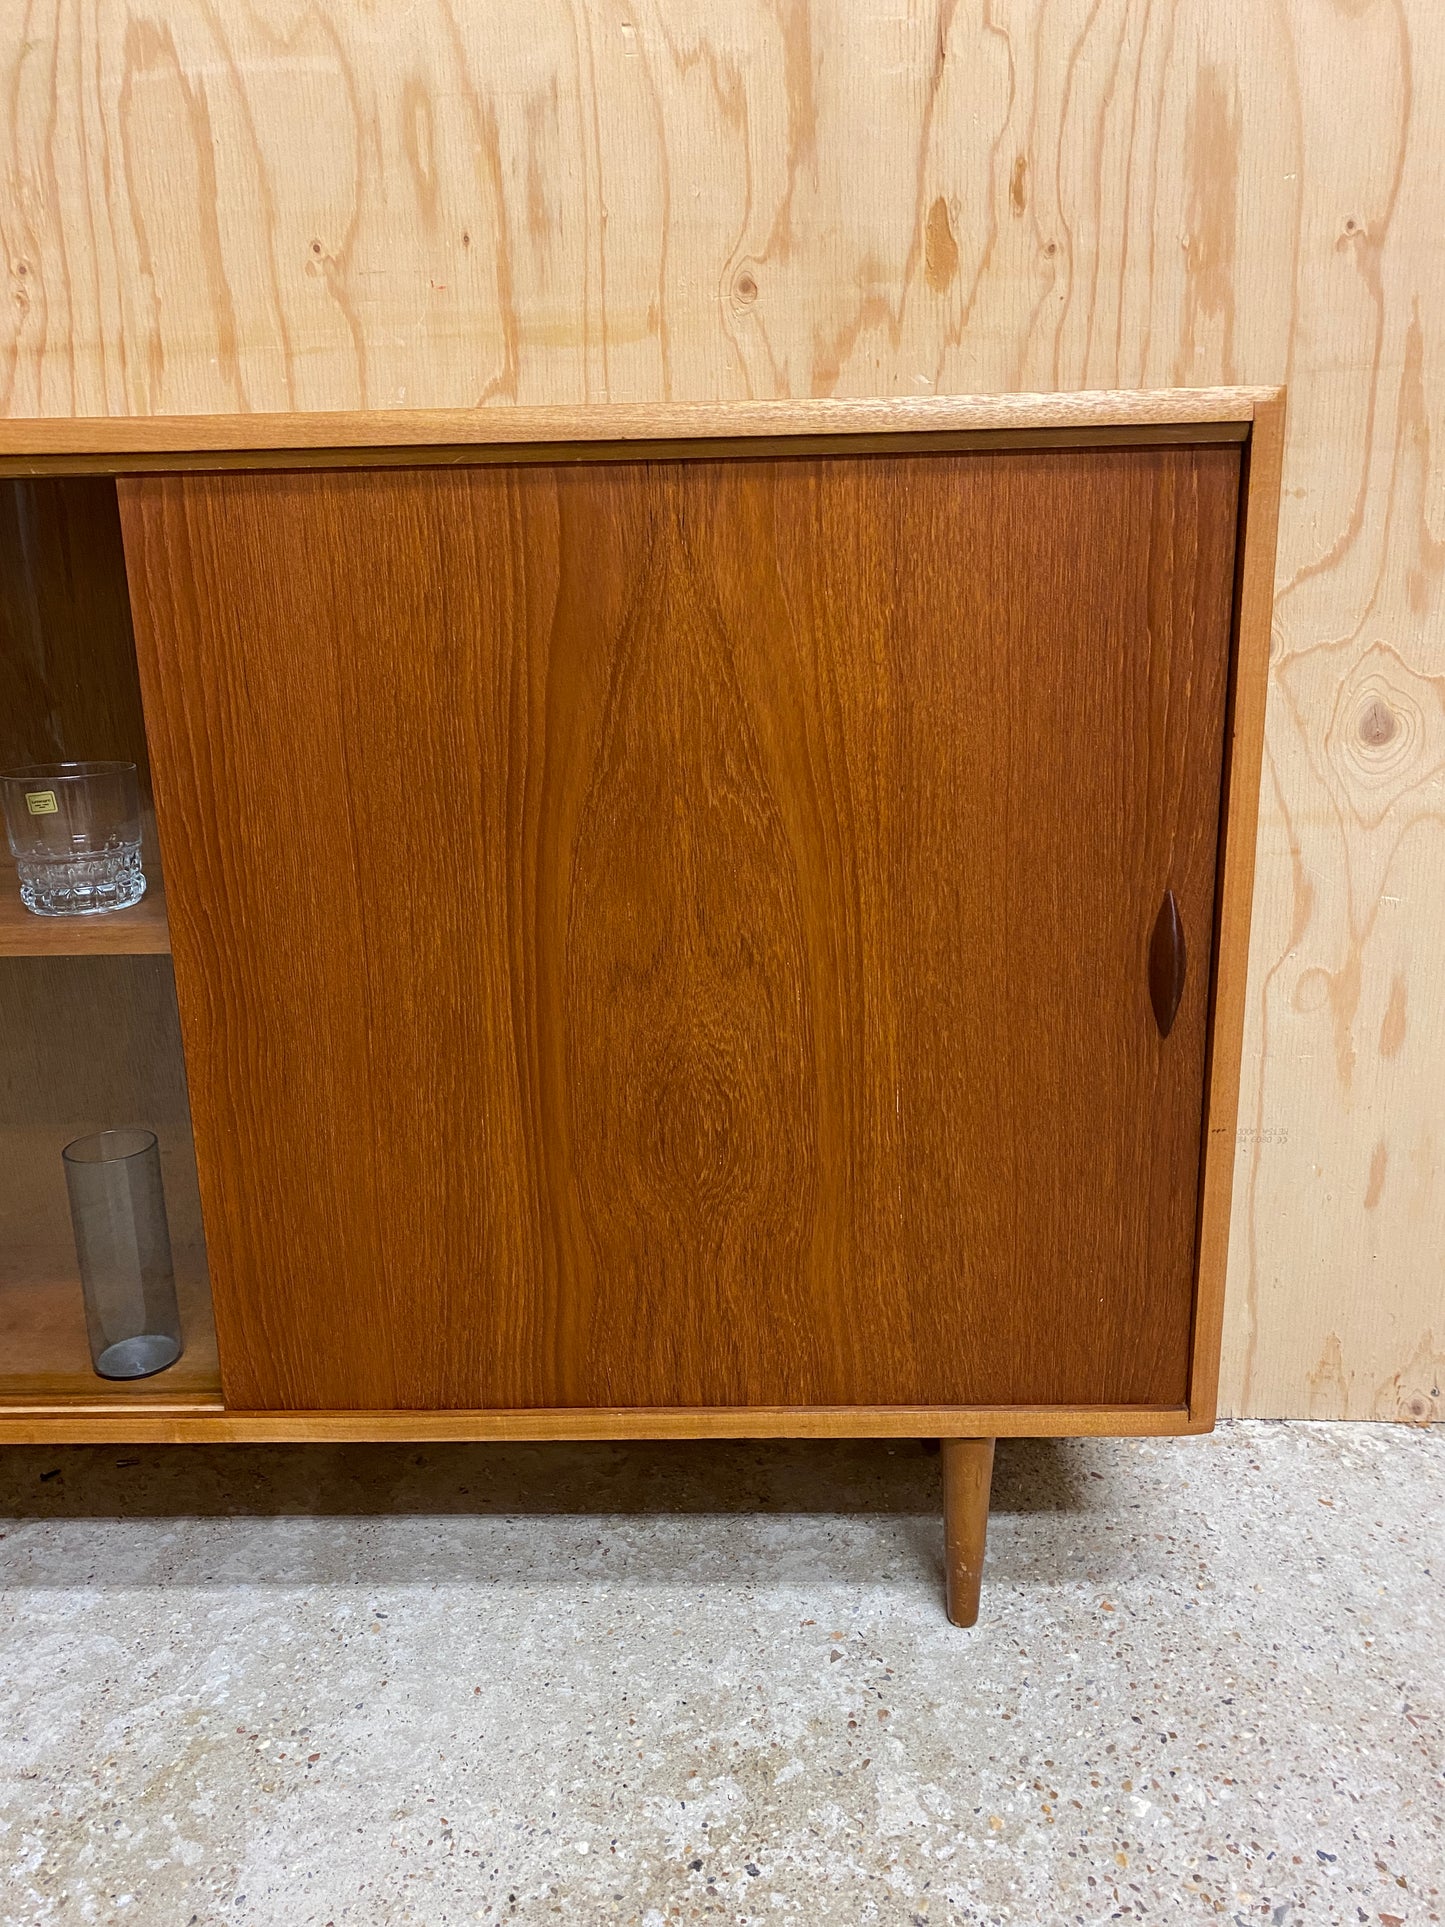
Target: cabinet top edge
[139,443]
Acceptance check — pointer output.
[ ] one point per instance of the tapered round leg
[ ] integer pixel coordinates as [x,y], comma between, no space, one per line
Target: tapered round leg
[967,1477]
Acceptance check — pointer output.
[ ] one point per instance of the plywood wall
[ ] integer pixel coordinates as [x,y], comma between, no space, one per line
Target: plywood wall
[274,204]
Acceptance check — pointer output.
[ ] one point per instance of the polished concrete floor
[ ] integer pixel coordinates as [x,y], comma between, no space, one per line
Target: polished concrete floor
[686,1682]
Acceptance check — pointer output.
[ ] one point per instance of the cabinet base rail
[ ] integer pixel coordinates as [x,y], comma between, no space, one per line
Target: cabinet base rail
[133,1418]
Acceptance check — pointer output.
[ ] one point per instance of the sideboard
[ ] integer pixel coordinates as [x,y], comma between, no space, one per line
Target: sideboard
[685,921]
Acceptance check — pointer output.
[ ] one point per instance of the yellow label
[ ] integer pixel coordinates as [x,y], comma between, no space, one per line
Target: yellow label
[41,802]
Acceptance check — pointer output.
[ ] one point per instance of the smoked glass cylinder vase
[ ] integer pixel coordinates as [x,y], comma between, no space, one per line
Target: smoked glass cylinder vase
[123,1243]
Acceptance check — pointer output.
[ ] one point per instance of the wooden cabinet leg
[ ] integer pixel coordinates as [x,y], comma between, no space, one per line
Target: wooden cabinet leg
[967,1477]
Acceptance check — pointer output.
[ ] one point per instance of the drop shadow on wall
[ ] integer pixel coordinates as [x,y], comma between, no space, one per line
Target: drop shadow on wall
[739,1513]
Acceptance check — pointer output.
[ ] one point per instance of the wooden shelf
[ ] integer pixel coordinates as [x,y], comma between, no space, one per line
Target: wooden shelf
[45,1361]
[141,932]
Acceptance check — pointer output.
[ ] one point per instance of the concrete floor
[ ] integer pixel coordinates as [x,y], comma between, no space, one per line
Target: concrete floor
[659,1683]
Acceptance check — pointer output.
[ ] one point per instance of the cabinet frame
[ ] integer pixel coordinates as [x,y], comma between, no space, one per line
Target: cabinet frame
[1253,417]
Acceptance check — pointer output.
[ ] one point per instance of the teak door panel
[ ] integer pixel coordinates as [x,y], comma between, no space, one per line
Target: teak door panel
[677,932]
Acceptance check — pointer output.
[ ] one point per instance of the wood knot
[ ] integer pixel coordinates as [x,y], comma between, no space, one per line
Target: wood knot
[1377,723]
[745,290]
[1386,737]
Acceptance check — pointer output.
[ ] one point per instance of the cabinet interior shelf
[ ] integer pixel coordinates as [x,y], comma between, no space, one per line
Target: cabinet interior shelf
[141,932]
[45,1361]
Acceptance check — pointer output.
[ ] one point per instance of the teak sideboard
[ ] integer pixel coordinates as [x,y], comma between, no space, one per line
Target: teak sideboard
[686,921]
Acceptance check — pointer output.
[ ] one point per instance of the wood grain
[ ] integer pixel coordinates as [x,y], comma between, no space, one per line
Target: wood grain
[600,898]
[202,1422]
[1221,1181]
[137,444]
[212,210]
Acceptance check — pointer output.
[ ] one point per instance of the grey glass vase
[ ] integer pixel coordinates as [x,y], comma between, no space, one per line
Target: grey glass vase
[123,1243]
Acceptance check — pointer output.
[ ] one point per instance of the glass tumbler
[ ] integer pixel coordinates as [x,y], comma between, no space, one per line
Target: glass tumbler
[124,1245]
[74,830]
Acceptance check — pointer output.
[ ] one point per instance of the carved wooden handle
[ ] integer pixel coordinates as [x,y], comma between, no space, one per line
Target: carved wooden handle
[1167,961]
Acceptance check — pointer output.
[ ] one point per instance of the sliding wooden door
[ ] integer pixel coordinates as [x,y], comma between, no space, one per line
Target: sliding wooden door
[678,932]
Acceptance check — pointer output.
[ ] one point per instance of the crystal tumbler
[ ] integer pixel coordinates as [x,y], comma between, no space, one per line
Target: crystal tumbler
[74,830]
[124,1245]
